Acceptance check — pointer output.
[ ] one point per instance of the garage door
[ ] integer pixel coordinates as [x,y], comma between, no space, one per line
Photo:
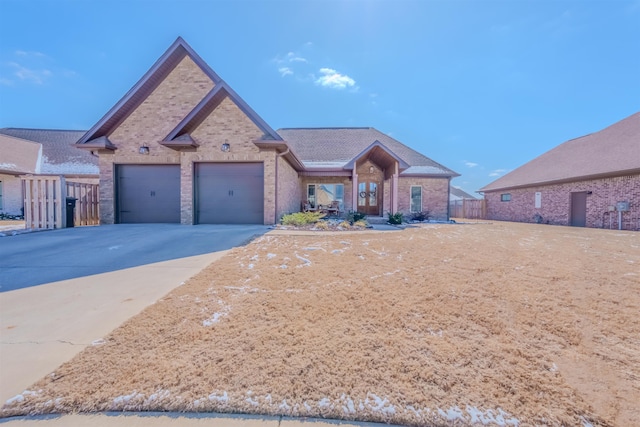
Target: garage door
[229,193]
[148,193]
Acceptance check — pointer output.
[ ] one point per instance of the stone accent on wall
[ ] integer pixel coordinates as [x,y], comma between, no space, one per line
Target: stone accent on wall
[435,196]
[555,207]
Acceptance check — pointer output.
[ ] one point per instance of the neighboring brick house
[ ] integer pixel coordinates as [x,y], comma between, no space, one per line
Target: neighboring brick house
[591,181]
[40,152]
[182,146]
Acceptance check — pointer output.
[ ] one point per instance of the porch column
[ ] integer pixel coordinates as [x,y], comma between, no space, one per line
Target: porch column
[354,191]
[394,189]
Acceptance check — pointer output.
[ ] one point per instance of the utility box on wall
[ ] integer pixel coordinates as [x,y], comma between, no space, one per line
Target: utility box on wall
[622,206]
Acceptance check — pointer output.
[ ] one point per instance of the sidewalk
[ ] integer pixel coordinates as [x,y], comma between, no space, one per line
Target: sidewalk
[44,326]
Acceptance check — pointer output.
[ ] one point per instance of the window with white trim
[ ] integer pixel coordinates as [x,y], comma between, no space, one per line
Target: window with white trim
[416,199]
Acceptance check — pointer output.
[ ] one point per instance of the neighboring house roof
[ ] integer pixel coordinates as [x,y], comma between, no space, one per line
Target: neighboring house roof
[613,151]
[459,194]
[60,156]
[337,147]
[152,79]
[19,156]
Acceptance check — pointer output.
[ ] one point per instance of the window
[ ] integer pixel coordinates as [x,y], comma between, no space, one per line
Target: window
[0,195]
[506,197]
[324,194]
[538,201]
[416,198]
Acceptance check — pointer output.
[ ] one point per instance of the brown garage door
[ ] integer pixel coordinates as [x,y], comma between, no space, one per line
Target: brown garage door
[229,193]
[148,193]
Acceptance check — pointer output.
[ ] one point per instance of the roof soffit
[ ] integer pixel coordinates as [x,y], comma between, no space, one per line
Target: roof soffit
[145,86]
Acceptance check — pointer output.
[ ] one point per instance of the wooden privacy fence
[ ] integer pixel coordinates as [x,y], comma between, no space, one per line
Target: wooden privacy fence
[468,208]
[45,202]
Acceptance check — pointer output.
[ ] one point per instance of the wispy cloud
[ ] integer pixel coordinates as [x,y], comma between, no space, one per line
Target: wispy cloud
[470,164]
[497,172]
[24,53]
[30,67]
[334,80]
[28,74]
[285,71]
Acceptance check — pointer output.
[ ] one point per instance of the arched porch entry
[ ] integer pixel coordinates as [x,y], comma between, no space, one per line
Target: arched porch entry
[375,176]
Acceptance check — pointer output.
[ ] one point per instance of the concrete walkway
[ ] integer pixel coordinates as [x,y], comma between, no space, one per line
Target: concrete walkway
[44,326]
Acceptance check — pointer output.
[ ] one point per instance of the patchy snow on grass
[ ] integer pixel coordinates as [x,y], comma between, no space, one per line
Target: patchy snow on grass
[99,341]
[215,317]
[223,399]
[307,262]
[271,256]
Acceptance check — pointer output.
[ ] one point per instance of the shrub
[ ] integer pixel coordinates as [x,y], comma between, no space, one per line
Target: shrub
[321,225]
[420,216]
[345,224]
[353,217]
[361,223]
[302,218]
[395,218]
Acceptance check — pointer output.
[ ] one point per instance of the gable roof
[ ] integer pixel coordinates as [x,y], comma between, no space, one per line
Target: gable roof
[613,151]
[152,79]
[60,156]
[459,194]
[336,147]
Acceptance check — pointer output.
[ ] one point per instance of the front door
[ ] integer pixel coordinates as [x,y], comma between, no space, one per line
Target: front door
[369,198]
[579,209]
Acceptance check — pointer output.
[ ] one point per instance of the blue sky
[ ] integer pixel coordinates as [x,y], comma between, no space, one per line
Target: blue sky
[479,86]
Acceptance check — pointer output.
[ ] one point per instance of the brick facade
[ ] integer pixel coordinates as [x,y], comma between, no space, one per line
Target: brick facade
[230,121]
[160,113]
[290,193]
[555,207]
[435,196]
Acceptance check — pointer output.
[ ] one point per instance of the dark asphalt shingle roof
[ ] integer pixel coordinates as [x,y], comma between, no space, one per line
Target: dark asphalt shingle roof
[335,147]
[612,151]
[59,152]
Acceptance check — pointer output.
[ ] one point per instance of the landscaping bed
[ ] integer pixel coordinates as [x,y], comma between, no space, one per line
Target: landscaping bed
[457,324]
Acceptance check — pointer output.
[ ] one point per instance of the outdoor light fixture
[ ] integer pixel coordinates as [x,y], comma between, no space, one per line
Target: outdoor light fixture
[370,169]
[225,147]
[144,150]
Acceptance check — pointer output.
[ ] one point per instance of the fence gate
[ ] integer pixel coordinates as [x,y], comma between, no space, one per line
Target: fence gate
[468,208]
[87,203]
[45,204]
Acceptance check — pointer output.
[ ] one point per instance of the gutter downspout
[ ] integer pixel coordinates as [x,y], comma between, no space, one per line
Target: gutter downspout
[278,156]
[449,200]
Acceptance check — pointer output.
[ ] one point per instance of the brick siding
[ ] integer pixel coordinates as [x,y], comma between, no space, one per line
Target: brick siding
[290,192]
[435,196]
[556,203]
[159,114]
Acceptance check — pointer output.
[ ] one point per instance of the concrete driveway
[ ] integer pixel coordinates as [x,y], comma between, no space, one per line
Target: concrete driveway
[32,259]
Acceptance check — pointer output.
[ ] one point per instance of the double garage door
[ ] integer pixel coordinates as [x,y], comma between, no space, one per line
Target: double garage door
[224,193]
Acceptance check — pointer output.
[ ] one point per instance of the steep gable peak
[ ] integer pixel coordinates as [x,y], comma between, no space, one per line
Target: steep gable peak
[146,85]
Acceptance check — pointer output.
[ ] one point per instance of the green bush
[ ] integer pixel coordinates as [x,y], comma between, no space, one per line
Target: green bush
[302,218]
[354,217]
[395,218]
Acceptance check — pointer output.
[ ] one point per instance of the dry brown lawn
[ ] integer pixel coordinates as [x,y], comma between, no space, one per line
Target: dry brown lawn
[506,324]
